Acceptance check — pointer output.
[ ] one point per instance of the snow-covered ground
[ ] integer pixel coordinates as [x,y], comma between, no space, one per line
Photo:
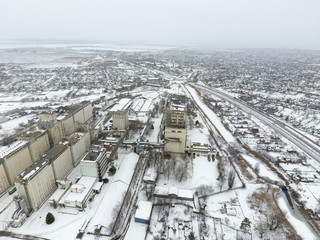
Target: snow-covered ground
[263,170]
[212,116]
[8,128]
[296,220]
[9,106]
[153,133]
[204,172]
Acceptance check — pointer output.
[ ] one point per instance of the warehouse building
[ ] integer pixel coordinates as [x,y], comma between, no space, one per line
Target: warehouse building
[79,193]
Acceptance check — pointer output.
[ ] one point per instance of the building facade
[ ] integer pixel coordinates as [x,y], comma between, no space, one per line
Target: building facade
[39,143]
[95,162]
[4,181]
[175,135]
[61,160]
[79,143]
[120,114]
[36,183]
[175,140]
[15,158]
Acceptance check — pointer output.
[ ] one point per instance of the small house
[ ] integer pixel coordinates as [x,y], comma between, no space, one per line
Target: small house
[143,212]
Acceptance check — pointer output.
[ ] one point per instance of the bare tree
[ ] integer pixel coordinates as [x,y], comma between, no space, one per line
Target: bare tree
[204,189]
[274,219]
[257,168]
[261,227]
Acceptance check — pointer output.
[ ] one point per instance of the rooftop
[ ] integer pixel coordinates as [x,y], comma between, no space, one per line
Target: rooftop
[94,154]
[144,210]
[86,183]
[54,152]
[6,150]
[65,111]
[123,104]
[42,162]
[31,171]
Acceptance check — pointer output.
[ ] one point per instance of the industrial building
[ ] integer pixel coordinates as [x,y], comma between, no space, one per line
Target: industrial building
[19,155]
[79,193]
[94,163]
[14,159]
[65,120]
[119,113]
[36,183]
[141,107]
[4,181]
[61,160]
[39,143]
[48,121]
[176,122]
[79,143]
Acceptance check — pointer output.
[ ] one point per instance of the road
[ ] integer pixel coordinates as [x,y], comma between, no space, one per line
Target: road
[299,140]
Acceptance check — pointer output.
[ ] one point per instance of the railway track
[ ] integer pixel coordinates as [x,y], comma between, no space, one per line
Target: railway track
[299,140]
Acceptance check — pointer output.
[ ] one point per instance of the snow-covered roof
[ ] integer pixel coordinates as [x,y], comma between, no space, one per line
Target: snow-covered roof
[111,198]
[6,150]
[144,210]
[56,196]
[150,175]
[161,191]
[87,184]
[97,186]
[173,191]
[186,194]
[137,104]
[127,168]
[123,104]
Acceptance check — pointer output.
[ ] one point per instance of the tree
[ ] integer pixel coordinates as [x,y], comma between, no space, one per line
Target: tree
[261,227]
[257,168]
[274,219]
[191,236]
[245,224]
[231,178]
[49,218]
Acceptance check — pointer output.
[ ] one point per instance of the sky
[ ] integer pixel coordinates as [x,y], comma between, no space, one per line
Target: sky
[209,23]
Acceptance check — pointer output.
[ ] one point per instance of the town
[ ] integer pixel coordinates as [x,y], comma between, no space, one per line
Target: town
[139,143]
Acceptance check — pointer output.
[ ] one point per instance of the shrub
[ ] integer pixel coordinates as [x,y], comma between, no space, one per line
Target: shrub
[49,218]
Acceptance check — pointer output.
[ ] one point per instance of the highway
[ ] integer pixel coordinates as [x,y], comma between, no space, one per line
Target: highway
[299,140]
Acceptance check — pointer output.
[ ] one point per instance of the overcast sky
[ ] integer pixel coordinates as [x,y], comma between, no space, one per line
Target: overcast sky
[213,23]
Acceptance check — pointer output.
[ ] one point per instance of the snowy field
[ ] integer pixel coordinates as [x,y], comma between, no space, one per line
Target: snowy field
[9,106]
[9,127]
